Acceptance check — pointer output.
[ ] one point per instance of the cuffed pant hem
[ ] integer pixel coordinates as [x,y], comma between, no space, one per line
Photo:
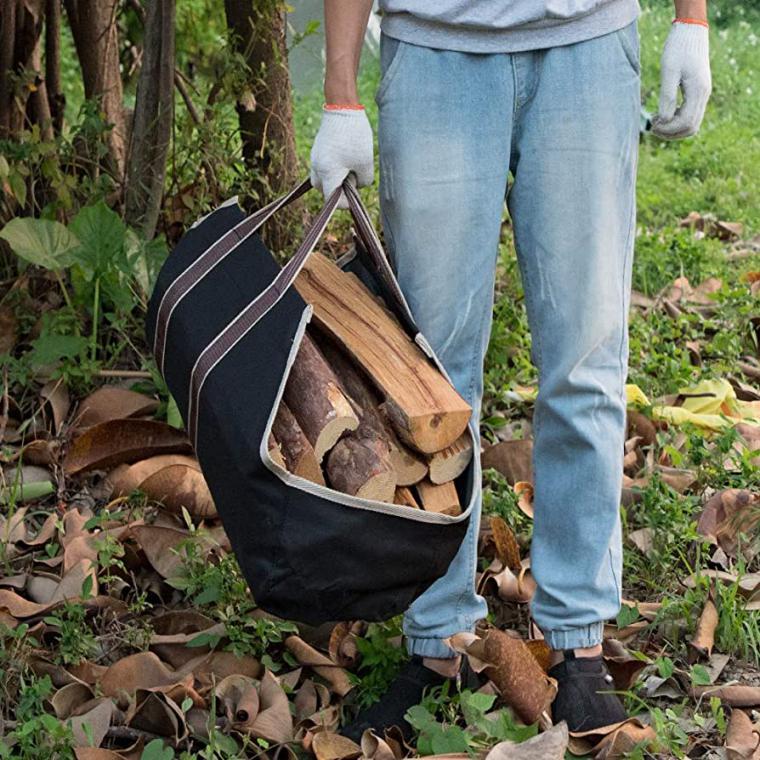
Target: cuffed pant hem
[430,648]
[576,638]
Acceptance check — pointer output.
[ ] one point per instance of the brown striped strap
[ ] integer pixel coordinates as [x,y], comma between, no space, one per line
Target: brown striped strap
[212,256]
[223,343]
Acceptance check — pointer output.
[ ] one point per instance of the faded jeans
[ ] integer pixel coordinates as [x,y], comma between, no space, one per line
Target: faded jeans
[564,123]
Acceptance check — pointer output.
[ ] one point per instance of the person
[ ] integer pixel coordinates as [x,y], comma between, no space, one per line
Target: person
[547,92]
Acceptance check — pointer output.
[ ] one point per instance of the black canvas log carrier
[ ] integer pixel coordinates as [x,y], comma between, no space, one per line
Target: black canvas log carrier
[225,324]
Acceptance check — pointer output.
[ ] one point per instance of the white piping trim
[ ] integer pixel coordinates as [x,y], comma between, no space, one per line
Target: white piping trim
[294,481]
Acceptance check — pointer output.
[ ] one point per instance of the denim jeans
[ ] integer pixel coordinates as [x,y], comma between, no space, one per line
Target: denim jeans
[564,123]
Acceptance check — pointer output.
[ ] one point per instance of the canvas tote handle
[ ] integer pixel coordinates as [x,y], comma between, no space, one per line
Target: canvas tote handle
[237,328]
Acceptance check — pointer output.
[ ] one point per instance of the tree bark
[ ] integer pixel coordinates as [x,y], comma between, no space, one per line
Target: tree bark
[265,110]
[56,99]
[152,127]
[20,29]
[93,26]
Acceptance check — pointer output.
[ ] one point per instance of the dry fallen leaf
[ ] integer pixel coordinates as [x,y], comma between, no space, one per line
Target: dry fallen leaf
[513,459]
[524,491]
[111,443]
[329,746]
[112,403]
[612,742]
[704,637]
[309,657]
[727,515]
[507,548]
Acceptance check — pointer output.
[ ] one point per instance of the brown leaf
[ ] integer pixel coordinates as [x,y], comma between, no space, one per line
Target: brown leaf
[704,637]
[726,515]
[507,548]
[342,645]
[549,745]
[738,695]
[69,697]
[330,746]
[98,721]
[622,665]
[112,403]
[639,425]
[524,491]
[137,671]
[309,657]
[161,547]
[514,671]
[127,477]
[274,721]
[611,742]
[643,540]
[742,739]
[513,459]
[728,230]
[55,393]
[157,713]
[180,486]
[111,443]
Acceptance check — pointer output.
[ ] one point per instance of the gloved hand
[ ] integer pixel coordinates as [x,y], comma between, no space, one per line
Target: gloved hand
[685,64]
[343,144]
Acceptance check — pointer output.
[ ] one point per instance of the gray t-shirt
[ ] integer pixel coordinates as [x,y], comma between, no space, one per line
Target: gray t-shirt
[503,26]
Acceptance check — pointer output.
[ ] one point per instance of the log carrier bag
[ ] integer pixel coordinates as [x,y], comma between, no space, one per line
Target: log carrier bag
[225,324]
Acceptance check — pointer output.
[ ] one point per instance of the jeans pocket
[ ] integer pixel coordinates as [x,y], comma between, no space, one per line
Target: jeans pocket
[628,37]
[391,53]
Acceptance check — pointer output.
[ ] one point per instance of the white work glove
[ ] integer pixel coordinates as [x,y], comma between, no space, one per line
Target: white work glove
[343,144]
[685,64]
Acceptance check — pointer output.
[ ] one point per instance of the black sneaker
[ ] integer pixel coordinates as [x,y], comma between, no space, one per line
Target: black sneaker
[584,699]
[405,691]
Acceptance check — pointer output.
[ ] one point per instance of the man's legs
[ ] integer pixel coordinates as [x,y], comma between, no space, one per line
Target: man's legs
[444,135]
[574,153]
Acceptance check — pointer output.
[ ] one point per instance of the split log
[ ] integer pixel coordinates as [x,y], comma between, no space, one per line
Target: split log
[297,452]
[442,498]
[314,396]
[450,463]
[275,452]
[424,408]
[359,465]
[405,497]
[409,467]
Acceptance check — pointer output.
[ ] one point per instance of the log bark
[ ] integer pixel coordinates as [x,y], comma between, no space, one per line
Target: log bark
[314,396]
[425,410]
[152,126]
[451,462]
[359,465]
[265,109]
[297,453]
[441,498]
[405,497]
[275,452]
[409,467]
[93,26]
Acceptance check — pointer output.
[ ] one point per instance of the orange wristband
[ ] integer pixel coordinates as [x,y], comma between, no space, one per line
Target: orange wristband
[697,21]
[343,107]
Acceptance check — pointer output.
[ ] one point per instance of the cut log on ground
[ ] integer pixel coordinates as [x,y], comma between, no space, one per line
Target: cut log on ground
[442,498]
[297,452]
[359,465]
[424,408]
[410,468]
[405,497]
[450,463]
[314,396]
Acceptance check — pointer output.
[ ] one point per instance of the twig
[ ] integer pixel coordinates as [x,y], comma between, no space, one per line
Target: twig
[123,373]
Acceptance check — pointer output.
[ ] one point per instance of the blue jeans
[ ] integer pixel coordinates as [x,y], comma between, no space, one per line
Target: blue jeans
[564,122]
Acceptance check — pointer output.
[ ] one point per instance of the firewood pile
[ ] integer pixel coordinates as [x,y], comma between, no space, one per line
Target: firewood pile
[364,411]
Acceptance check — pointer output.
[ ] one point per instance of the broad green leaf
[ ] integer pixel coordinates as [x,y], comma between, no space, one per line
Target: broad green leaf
[101,234]
[49,348]
[700,676]
[40,241]
[173,417]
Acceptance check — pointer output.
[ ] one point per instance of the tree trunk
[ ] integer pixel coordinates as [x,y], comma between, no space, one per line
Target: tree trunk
[20,28]
[266,110]
[56,99]
[93,25]
[151,130]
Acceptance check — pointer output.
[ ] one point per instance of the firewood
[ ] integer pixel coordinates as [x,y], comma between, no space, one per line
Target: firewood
[359,465]
[441,498]
[275,452]
[424,408]
[451,462]
[314,396]
[297,452]
[409,467]
[405,497]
